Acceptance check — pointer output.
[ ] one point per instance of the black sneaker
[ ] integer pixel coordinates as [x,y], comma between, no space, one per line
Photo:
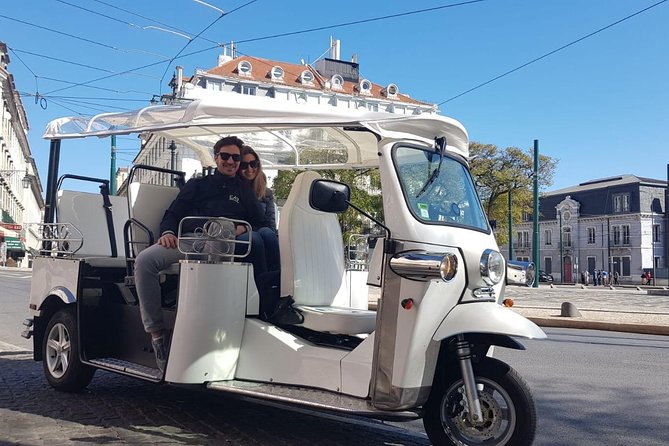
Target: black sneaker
[160,349]
[285,313]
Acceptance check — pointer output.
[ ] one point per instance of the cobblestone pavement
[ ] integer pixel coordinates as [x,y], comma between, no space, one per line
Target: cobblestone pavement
[120,410]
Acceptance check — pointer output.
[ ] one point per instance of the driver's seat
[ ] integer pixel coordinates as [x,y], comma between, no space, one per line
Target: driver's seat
[312,264]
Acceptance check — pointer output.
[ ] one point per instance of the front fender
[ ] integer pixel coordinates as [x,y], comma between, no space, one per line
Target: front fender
[486,317]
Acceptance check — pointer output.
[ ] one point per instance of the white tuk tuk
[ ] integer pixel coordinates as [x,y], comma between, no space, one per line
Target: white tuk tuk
[438,272]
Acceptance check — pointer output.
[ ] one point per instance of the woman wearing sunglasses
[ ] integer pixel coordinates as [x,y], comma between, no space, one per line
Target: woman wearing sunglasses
[250,170]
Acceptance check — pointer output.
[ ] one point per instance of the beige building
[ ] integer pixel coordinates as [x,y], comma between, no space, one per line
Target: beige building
[21,199]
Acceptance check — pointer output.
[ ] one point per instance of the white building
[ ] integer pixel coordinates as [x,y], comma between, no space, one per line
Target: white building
[330,82]
[20,187]
[616,224]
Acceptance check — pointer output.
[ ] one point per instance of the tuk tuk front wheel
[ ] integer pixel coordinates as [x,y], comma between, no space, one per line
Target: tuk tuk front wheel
[509,416]
[60,353]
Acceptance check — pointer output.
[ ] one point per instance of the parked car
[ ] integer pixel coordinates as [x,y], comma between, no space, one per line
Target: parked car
[543,277]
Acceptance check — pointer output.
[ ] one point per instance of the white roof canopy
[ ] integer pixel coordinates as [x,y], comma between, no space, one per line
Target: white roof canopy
[281,132]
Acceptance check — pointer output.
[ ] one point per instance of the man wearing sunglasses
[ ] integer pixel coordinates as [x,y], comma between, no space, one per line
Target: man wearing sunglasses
[222,194]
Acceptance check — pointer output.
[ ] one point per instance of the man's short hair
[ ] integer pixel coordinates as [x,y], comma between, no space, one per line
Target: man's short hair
[228,141]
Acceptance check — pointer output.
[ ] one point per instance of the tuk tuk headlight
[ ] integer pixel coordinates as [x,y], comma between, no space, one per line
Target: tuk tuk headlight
[492,267]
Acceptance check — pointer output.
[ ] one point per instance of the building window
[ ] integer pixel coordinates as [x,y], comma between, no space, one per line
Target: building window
[656,233]
[626,234]
[307,77]
[616,235]
[523,239]
[522,259]
[566,236]
[277,73]
[365,87]
[622,266]
[591,236]
[657,263]
[526,216]
[548,237]
[548,265]
[244,68]
[621,203]
[248,89]
[337,82]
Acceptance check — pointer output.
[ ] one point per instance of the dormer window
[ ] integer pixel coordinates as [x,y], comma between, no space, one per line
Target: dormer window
[307,77]
[277,73]
[391,91]
[337,82]
[365,87]
[244,68]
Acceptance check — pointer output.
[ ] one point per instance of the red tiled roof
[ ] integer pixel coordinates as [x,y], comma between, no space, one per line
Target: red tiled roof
[292,77]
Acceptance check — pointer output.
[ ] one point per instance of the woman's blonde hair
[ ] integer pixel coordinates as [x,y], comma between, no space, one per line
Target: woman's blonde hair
[259,183]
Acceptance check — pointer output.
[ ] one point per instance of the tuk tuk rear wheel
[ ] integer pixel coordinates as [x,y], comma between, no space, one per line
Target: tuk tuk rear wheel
[60,353]
[509,416]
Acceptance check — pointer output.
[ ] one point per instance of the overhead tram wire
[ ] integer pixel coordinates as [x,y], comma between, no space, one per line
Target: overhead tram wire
[359,22]
[99,14]
[264,38]
[149,19]
[223,14]
[573,42]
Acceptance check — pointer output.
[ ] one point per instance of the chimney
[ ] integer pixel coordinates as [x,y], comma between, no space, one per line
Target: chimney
[180,77]
[335,48]
[223,58]
[232,50]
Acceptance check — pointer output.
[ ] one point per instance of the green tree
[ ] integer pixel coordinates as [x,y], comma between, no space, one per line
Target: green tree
[498,172]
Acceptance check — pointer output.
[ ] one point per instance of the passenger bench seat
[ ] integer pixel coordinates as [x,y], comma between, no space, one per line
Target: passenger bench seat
[312,264]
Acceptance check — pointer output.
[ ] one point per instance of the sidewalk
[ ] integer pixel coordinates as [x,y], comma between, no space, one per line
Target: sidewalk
[625,309]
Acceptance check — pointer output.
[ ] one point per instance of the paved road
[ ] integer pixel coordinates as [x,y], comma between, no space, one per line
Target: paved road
[591,388]
[14,292]
[595,388]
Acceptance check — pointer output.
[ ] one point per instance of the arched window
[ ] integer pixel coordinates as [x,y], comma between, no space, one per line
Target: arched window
[244,68]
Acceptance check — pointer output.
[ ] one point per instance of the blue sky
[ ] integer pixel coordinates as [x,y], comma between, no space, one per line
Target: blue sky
[601,106]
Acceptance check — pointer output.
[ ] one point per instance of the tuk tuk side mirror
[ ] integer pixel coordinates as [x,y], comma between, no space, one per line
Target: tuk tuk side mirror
[329,196]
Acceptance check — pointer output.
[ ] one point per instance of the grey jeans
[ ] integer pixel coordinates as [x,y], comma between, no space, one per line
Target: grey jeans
[148,265]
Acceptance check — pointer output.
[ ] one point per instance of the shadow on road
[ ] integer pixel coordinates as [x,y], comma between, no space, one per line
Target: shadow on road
[116,409]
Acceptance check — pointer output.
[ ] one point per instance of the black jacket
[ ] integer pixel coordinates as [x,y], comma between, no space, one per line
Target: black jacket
[214,195]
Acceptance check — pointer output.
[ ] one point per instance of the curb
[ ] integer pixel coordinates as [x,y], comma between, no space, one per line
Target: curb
[596,325]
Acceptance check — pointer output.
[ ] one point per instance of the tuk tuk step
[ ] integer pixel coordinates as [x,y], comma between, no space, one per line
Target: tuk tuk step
[128,368]
[307,397]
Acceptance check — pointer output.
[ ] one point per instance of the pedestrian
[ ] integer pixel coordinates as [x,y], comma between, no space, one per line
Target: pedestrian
[3,253]
[615,278]
[587,277]
[643,277]
[222,194]
[649,277]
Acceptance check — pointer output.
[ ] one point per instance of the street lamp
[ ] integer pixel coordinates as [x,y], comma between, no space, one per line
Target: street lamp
[25,181]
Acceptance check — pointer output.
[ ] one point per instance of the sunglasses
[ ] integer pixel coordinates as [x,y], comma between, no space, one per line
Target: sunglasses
[226,156]
[246,164]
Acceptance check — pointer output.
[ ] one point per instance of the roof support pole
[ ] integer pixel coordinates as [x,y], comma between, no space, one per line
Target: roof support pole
[52,181]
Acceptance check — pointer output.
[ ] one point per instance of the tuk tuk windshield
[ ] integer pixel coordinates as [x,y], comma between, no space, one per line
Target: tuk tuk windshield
[438,189]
